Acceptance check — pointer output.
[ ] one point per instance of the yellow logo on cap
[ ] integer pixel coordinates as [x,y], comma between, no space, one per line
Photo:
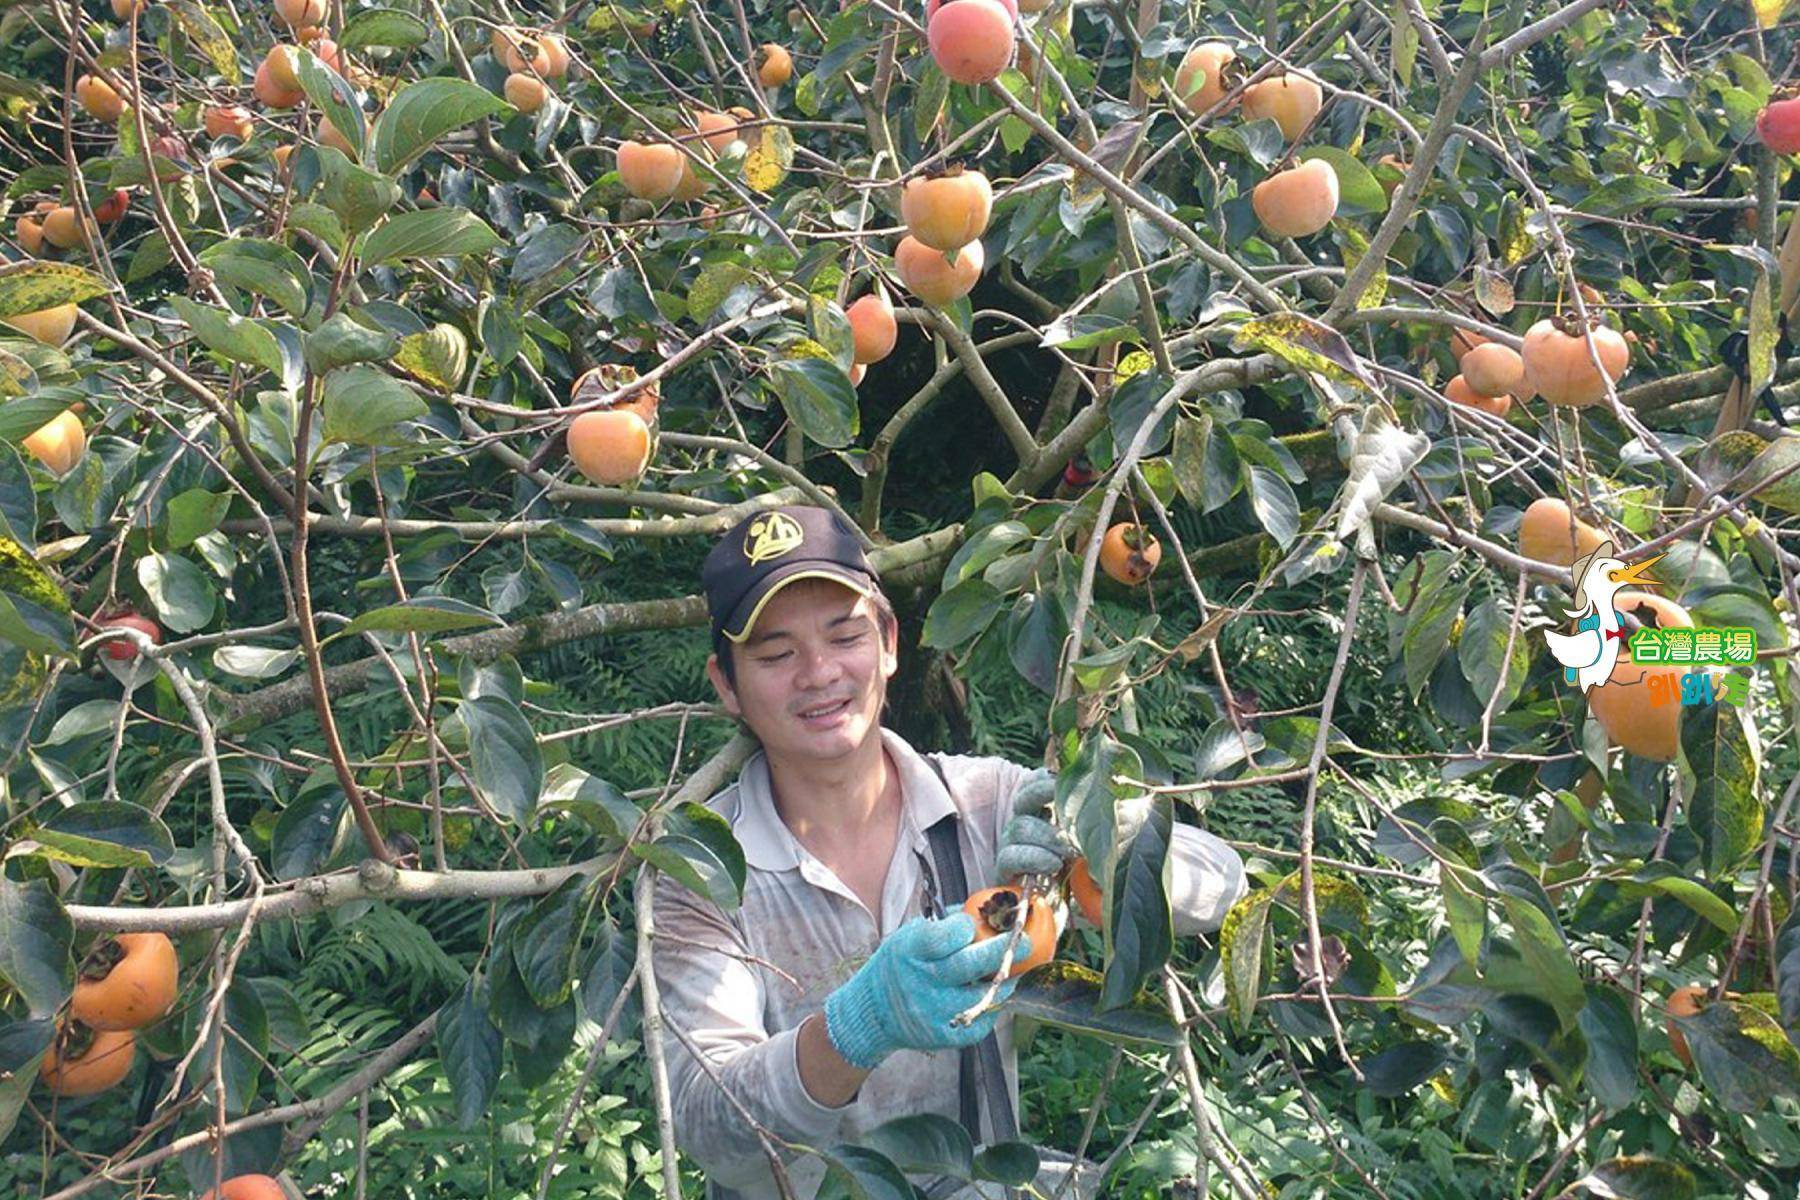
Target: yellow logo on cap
[772,536]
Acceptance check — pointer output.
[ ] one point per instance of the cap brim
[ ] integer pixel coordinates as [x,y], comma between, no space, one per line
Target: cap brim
[743,617]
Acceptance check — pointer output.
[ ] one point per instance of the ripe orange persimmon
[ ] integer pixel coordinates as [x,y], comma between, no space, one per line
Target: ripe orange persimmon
[331,135]
[30,233]
[930,276]
[1200,80]
[971,40]
[996,910]
[1624,705]
[1299,201]
[1291,101]
[1493,369]
[122,9]
[1129,553]
[63,228]
[1086,892]
[102,101]
[526,93]
[650,171]
[58,443]
[1544,534]
[113,207]
[1686,1002]
[296,14]
[248,1187]
[50,326]
[1558,366]
[720,129]
[872,327]
[1464,340]
[694,184]
[271,92]
[610,447]
[83,1061]
[230,120]
[774,65]
[947,210]
[283,61]
[857,371]
[1458,391]
[525,53]
[127,981]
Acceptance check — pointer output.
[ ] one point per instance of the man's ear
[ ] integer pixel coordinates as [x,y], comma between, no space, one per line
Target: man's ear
[727,696]
[890,650]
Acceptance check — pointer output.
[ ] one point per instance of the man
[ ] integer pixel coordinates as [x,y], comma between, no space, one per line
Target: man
[823,1004]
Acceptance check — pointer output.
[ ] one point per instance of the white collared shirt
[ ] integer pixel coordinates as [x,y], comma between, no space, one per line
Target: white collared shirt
[800,917]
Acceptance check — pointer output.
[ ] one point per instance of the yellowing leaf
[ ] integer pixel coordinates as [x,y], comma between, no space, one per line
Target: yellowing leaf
[1132,364]
[1768,12]
[770,158]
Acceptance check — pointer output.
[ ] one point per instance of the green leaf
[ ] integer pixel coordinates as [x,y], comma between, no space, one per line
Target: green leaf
[1358,189]
[208,38]
[545,941]
[194,514]
[304,832]
[22,1047]
[924,1143]
[430,233]
[1744,1058]
[423,111]
[1482,654]
[424,614]
[1087,330]
[470,1049]
[1612,1038]
[1142,933]
[1305,345]
[1400,1068]
[180,592]
[439,356]
[1067,995]
[358,196]
[1666,879]
[334,98]
[1243,955]
[114,823]
[341,341]
[603,807]
[383,27]
[239,339]
[818,398]
[362,406]
[507,764]
[1727,808]
[1639,1177]
[697,849]
[264,268]
[1539,941]
[961,613]
[35,936]
[32,285]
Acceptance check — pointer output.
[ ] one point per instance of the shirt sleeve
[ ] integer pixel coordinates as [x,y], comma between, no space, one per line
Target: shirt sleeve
[715,996]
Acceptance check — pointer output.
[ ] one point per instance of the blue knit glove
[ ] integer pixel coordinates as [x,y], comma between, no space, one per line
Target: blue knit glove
[920,976]
[1030,844]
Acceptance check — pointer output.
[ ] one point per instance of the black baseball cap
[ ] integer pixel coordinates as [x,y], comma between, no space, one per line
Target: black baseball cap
[768,550]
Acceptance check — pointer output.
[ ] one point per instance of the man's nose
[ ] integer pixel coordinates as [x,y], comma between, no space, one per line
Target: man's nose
[817,665]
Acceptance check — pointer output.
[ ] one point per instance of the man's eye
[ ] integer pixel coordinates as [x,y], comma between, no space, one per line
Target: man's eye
[774,658]
[848,641]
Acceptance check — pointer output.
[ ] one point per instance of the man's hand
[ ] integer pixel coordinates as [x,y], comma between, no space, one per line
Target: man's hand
[923,974]
[1030,844]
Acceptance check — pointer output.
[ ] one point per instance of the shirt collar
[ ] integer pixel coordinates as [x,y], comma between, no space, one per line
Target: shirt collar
[769,845]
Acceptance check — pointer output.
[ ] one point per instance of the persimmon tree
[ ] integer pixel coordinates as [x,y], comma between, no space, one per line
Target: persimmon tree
[1225,393]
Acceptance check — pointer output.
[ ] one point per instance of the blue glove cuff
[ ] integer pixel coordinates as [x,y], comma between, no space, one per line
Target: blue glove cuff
[853,1023]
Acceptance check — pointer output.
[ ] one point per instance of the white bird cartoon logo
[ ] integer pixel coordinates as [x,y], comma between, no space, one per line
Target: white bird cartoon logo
[1589,654]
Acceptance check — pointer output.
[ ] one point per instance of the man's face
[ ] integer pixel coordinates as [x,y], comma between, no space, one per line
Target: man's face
[812,675]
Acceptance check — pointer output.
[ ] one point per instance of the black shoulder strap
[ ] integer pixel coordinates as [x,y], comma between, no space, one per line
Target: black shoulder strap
[979,1066]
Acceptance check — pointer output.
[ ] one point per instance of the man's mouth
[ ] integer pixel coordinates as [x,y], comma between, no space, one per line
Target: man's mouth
[825,710]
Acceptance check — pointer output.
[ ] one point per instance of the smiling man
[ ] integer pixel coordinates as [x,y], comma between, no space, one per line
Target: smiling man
[822,1005]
